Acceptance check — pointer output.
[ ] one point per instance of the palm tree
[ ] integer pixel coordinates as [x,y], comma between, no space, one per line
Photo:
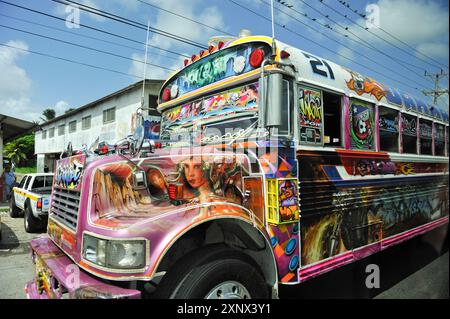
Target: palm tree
[16,154]
[49,114]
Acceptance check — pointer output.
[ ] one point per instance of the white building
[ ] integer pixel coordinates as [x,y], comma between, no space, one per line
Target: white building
[109,118]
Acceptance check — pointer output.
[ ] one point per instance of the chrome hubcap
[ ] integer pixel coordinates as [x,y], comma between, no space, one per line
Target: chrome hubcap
[228,290]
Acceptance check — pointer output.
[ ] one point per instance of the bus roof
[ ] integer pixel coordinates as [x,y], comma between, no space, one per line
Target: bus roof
[316,71]
[323,73]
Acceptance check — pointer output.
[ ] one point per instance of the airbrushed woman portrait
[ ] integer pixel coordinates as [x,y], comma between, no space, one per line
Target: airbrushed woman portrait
[195,172]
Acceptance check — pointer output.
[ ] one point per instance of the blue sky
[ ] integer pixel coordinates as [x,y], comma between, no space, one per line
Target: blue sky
[30,83]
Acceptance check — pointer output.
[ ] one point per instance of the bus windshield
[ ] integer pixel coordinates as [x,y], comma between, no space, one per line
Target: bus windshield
[221,116]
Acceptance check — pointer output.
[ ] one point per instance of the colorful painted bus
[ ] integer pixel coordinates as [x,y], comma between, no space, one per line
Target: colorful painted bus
[272,166]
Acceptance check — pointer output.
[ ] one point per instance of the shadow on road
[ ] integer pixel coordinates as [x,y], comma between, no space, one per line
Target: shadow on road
[9,238]
[395,264]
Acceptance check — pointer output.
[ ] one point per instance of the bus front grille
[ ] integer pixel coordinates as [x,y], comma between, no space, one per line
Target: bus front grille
[65,206]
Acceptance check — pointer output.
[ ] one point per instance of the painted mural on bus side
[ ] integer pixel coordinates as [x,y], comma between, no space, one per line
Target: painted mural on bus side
[340,214]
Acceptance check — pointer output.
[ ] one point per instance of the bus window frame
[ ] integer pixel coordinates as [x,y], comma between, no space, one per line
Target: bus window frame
[399,133]
[292,109]
[434,138]
[402,113]
[419,137]
[323,90]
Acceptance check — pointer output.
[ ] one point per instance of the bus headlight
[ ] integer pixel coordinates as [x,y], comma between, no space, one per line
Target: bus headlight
[126,254]
[114,254]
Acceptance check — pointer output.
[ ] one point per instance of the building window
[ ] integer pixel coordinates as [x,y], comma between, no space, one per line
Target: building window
[44,134]
[109,115]
[51,132]
[362,125]
[332,114]
[61,129]
[86,122]
[426,137]
[389,132]
[311,116]
[409,134]
[72,126]
[439,139]
[153,104]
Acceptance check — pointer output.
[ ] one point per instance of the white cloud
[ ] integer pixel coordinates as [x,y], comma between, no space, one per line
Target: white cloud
[153,72]
[419,23]
[21,82]
[438,50]
[344,52]
[15,84]
[61,107]
[195,10]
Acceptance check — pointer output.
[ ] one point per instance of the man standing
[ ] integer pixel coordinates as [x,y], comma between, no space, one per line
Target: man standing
[9,179]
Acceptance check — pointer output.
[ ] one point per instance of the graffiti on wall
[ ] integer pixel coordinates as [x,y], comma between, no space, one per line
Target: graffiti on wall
[365,85]
[288,200]
[216,67]
[409,125]
[69,172]
[311,117]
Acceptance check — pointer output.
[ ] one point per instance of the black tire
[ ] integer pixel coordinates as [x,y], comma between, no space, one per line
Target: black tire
[14,211]
[31,223]
[198,273]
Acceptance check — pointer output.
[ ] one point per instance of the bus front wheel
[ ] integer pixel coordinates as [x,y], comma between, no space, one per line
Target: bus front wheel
[214,273]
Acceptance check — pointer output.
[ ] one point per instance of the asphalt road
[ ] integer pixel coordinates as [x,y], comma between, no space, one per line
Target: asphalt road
[418,268]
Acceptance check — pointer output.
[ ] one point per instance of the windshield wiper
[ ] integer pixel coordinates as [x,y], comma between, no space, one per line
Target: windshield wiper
[247,130]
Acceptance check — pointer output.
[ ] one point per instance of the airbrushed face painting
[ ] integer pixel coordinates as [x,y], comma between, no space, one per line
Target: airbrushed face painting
[195,179]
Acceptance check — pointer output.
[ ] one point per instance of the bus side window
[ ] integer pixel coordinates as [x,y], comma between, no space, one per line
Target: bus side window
[332,112]
[426,137]
[409,133]
[311,116]
[285,129]
[389,131]
[439,139]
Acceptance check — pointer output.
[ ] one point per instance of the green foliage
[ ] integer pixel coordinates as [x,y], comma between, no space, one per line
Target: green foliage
[21,150]
[49,114]
[25,170]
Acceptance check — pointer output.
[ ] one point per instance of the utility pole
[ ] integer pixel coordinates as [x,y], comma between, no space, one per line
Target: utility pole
[437,92]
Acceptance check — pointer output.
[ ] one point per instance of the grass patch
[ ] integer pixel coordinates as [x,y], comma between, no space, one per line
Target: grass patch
[25,170]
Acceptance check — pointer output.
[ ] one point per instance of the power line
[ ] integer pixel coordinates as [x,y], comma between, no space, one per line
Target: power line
[320,45]
[85,47]
[129,22]
[184,17]
[327,26]
[83,35]
[291,7]
[346,5]
[68,60]
[401,63]
[374,34]
[93,28]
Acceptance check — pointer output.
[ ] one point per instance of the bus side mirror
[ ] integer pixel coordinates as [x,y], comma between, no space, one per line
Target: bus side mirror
[273,100]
